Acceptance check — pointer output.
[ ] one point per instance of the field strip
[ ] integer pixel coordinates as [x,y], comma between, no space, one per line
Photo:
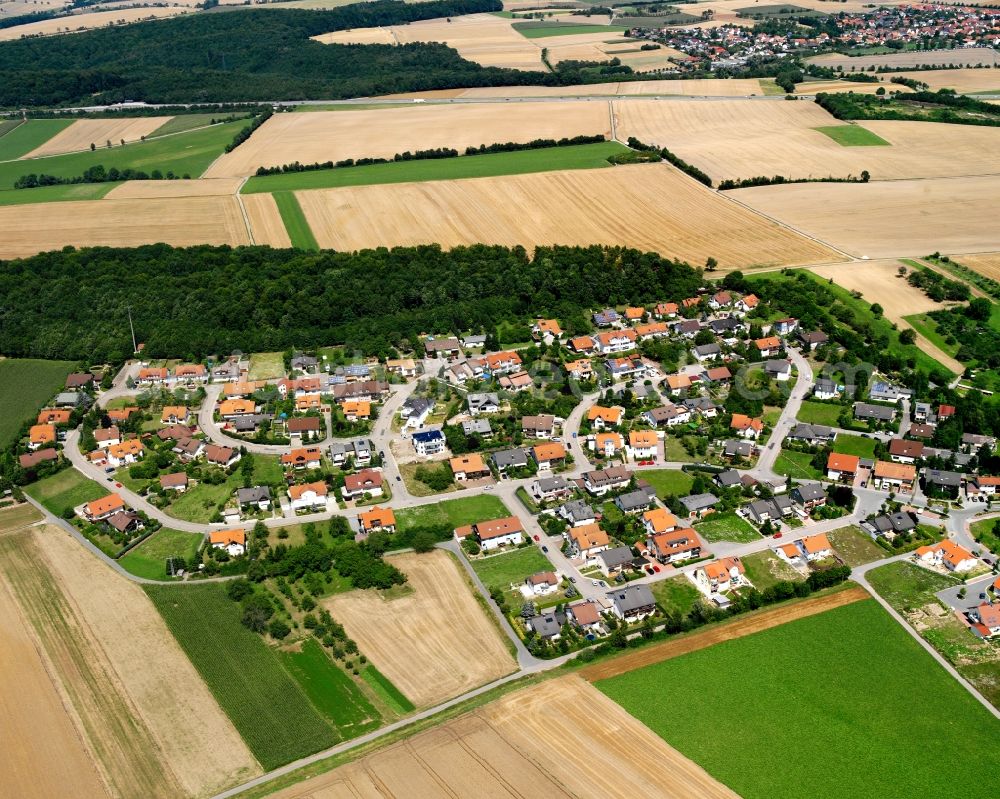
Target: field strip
[243,210]
[726,632]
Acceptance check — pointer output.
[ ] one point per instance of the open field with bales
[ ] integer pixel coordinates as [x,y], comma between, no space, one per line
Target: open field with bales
[651,207]
[745,138]
[25,385]
[121,223]
[96,19]
[879,220]
[548,740]
[451,646]
[84,132]
[824,706]
[333,135]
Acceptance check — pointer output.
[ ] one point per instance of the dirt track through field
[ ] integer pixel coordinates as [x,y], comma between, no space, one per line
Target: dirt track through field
[764,620]
[562,739]
[84,132]
[451,646]
[651,207]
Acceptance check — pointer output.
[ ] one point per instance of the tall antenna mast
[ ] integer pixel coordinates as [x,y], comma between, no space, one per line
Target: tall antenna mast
[135,347]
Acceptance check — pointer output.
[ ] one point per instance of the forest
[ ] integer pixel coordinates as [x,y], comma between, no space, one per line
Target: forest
[254,55]
[196,301]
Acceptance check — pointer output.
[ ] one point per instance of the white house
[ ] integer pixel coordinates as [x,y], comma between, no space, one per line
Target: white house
[308,496]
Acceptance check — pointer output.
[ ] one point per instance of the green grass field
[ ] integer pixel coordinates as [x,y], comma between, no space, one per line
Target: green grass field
[199,503]
[853,136]
[266,366]
[906,586]
[854,445]
[499,571]
[765,569]
[541,30]
[827,719]
[268,707]
[299,232]
[25,386]
[985,532]
[190,153]
[149,558]
[675,595]
[386,691]
[855,547]
[453,512]
[185,122]
[825,413]
[26,137]
[726,527]
[668,482]
[928,328]
[797,465]
[331,690]
[56,194]
[581,156]
[65,490]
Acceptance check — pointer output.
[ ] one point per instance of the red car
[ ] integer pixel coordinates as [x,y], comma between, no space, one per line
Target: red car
[118,485]
[656,569]
[537,538]
[777,535]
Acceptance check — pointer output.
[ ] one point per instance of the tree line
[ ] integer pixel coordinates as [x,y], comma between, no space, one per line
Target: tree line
[943,105]
[197,301]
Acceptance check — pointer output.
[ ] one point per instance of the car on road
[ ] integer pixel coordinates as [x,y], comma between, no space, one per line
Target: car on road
[982,596]
[545,549]
[602,584]
[118,485]
[656,568]
[537,538]
[572,579]
[111,479]
[649,569]
[778,534]
[398,478]
[594,582]
[381,454]
[487,488]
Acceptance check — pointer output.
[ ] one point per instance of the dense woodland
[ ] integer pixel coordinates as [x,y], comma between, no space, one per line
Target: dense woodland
[940,106]
[253,55]
[201,300]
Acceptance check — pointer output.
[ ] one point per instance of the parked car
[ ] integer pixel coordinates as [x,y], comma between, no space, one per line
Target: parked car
[398,478]
[572,579]
[537,538]
[656,568]
[777,534]
[545,549]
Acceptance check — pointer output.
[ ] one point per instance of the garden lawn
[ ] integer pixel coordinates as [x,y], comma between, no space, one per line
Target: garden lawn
[184,154]
[675,595]
[519,162]
[184,122]
[65,490]
[985,533]
[853,136]
[855,547]
[200,503]
[842,729]
[25,137]
[26,385]
[299,232]
[825,413]
[797,465]
[726,527]
[854,445]
[149,558]
[667,482]
[765,569]
[268,707]
[499,571]
[453,512]
[266,366]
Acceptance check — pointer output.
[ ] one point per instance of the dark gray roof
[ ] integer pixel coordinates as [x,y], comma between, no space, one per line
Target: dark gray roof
[547,484]
[743,449]
[811,431]
[632,597]
[510,457]
[942,478]
[809,492]
[728,478]
[477,427]
[577,510]
[865,410]
[633,500]
[707,349]
[696,502]
[248,496]
[546,625]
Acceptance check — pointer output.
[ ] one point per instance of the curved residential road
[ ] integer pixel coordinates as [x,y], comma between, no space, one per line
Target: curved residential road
[764,469]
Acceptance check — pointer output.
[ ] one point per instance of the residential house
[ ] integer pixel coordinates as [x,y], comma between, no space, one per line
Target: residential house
[76,380]
[469,467]
[742,450]
[174,414]
[585,616]
[404,367]
[542,583]
[230,409]
[588,540]
[973,442]
[101,509]
[233,541]
[652,330]
[245,424]
[377,519]
[303,425]
[658,520]
[304,363]
[549,456]
[612,341]
[903,451]
[124,521]
[189,448]
[688,328]
[54,416]
[429,442]
[258,497]
[494,533]
[547,330]
[308,496]
[227,372]
[365,483]
[547,625]
[577,513]
[881,391]
[509,459]
[242,389]
[707,352]
[483,403]
[809,496]
[769,510]
[642,445]
[31,459]
[747,303]
[666,310]
[415,411]
[730,478]
[359,411]
[607,443]
[698,506]
[583,344]
[634,314]
[985,618]
[890,525]
[720,300]
[718,374]
[785,326]
[816,547]
[191,373]
[768,347]
[582,369]
[726,327]
[949,483]
[981,485]
[614,560]
[720,575]
[825,389]
[600,417]
[478,427]
[540,427]
[601,481]
[41,434]
[370,390]
[780,370]
[791,553]
[632,603]
[128,451]
[308,402]
[889,476]
[149,376]
[623,368]
[814,434]
[546,489]
[442,347]
[121,414]
[606,318]
[842,468]
[71,399]
[864,411]
[924,432]
[947,554]
[677,384]
[667,416]
[302,458]
[634,501]
[223,457]
[477,341]
[746,427]
[812,339]
[675,546]
[501,363]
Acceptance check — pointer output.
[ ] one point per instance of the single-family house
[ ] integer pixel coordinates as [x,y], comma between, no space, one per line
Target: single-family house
[780,370]
[546,489]
[233,541]
[361,410]
[32,459]
[124,452]
[39,435]
[816,547]
[707,352]
[152,375]
[302,458]
[632,603]
[608,443]
[842,468]
[189,448]
[677,384]
[720,575]
[588,540]
[547,330]
[585,616]
[642,445]
[601,481]
[494,533]
[825,389]
[606,318]
[477,427]
[191,373]
[985,618]
[231,408]
[583,344]
[541,427]
[549,456]
[738,450]
[547,625]
[768,347]
[947,554]
[667,416]
[698,506]
[55,416]
[814,434]
[174,414]
[634,501]
[613,561]
[809,496]
[429,442]
[308,496]
[577,513]
[101,509]
[611,341]
[377,519]
[865,411]
[675,546]
[505,362]
[469,467]
[746,426]
[600,417]
[509,459]
[889,476]
[75,380]
[658,520]
[303,425]
[812,339]
[541,583]
[365,483]
[442,347]
[404,367]
[581,369]
[481,403]
[258,497]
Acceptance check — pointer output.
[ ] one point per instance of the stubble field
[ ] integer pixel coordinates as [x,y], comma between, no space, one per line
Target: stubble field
[985,263]
[84,132]
[958,57]
[890,218]
[651,207]
[265,220]
[172,189]
[964,81]
[450,646]
[121,223]
[560,739]
[731,87]
[97,19]
[336,135]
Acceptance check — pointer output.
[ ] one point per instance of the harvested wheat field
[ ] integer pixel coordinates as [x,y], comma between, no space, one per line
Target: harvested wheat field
[31,229]
[817,86]
[605,46]
[963,81]
[746,625]
[335,135]
[706,87]
[198,742]
[985,263]
[96,19]
[120,744]
[265,220]
[958,57]
[651,207]
[559,739]
[166,189]
[889,218]
[745,138]
[451,646]
[879,281]
[84,132]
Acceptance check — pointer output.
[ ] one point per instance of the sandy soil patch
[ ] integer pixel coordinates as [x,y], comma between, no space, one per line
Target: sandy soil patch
[745,138]
[879,281]
[889,219]
[735,87]
[198,741]
[986,263]
[958,57]
[265,220]
[651,207]
[964,81]
[43,756]
[560,739]
[451,647]
[164,189]
[84,132]
[764,620]
[31,229]
[127,756]
[335,135]
[96,19]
